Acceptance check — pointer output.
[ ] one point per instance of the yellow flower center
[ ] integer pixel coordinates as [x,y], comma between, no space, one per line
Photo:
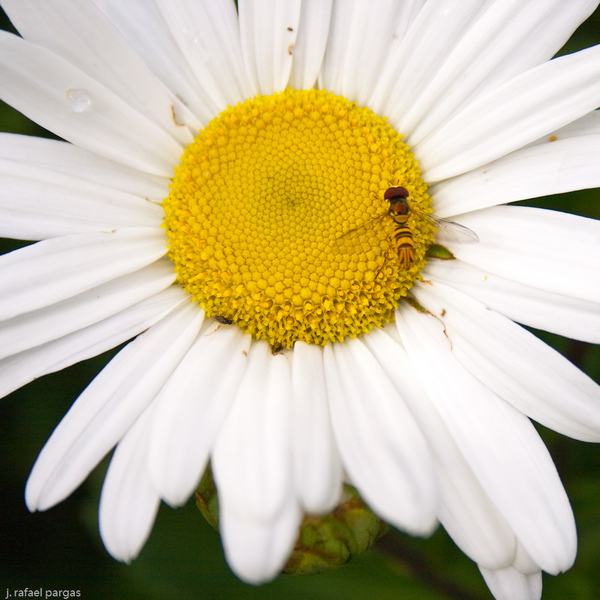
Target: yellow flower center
[276,218]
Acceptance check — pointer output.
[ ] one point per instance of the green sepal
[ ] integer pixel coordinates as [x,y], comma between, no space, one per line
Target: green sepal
[328,542]
[325,542]
[437,251]
[207,500]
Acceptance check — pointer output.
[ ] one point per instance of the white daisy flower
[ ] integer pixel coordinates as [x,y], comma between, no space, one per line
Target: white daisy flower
[246,193]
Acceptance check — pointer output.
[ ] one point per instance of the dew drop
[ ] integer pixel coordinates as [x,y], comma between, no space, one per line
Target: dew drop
[196,39]
[192,35]
[77,99]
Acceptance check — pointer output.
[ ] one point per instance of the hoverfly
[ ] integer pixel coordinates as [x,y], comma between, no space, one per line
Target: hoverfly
[399,210]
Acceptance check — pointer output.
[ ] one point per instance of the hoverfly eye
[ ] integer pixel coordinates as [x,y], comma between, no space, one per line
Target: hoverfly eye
[395,192]
[389,193]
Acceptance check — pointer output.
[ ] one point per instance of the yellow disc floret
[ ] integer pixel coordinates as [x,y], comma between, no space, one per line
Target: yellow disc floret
[276,218]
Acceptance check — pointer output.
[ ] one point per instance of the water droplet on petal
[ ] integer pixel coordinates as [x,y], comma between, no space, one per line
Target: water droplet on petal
[77,99]
[197,41]
[191,34]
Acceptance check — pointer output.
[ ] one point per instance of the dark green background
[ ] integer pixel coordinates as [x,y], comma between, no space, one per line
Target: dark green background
[61,549]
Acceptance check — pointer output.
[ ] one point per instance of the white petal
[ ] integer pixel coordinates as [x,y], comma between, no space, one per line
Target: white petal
[128,502]
[73,105]
[545,249]
[499,443]
[143,25]
[38,204]
[309,50]
[509,38]
[89,41]
[549,311]
[252,455]
[81,261]
[20,369]
[518,112]
[268,30]
[317,466]
[465,510]
[515,364]
[66,158]
[257,550]
[523,562]
[382,449]
[420,52]
[191,407]
[511,584]
[586,125]
[472,521]
[359,41]
[208,36]
[108,406]
[408,12]
[60,319]
[552,167]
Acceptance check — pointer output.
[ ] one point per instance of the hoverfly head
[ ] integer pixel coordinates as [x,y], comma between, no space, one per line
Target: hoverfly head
[398,200]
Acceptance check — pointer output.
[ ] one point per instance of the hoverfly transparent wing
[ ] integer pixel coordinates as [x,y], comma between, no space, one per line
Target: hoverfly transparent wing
[449,231]
[349,239]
